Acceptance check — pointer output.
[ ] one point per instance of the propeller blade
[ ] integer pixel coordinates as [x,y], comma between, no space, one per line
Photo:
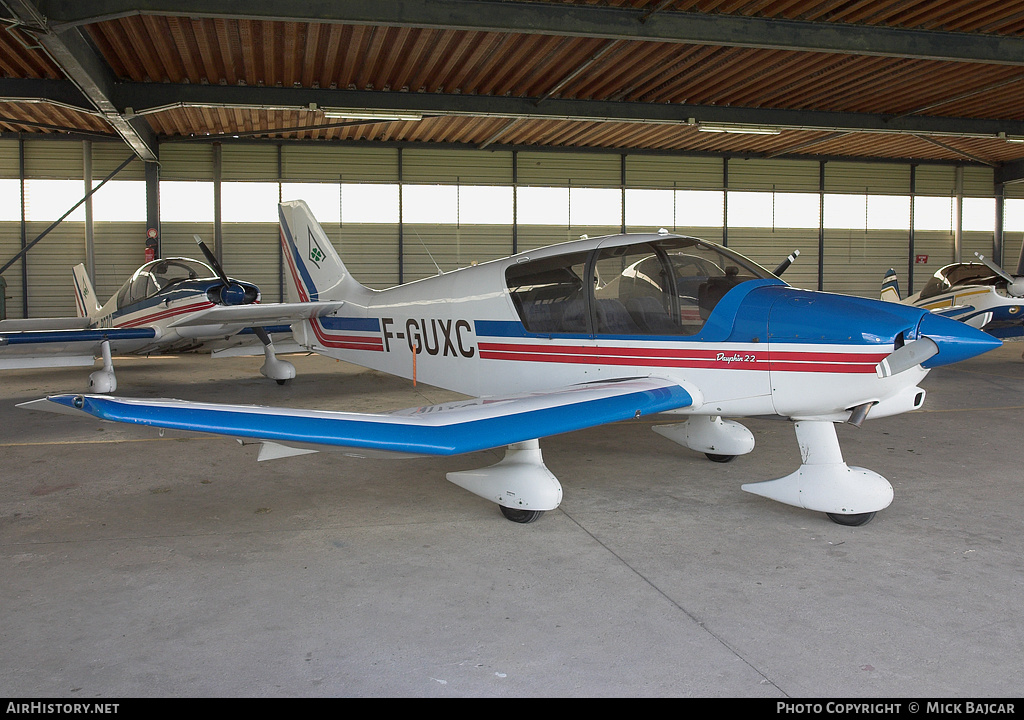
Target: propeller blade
[1014,285]
[995,268]
[212,259]
[782,266]
[910,355]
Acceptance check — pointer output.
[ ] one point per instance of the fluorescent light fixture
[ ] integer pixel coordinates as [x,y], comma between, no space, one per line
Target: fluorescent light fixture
[738,128]
[356,114]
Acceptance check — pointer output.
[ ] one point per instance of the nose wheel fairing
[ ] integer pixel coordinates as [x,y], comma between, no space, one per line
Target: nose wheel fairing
[824,482]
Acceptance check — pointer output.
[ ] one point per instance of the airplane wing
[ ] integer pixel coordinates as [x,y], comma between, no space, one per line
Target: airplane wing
[66,342]
[447,429]
[61,323]
[252,315]
[60,347]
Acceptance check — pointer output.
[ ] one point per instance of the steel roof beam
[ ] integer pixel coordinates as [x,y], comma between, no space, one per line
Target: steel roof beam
[575,20]
[157,97]
[88,71]
[151,98]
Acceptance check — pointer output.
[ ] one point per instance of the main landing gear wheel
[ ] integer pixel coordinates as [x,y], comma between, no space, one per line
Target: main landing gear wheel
[520,516]
[855,520]
[719,458]
[281,382]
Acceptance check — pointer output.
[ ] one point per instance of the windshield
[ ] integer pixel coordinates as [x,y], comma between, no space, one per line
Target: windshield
[662,287]
[158,275]
[956,275]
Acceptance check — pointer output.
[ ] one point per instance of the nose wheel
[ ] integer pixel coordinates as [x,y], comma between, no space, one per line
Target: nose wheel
[719,458]
[520,516]
[855,520]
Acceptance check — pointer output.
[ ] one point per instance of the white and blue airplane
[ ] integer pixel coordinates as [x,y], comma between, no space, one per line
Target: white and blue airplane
[981,294]
[168,305]
[584,333]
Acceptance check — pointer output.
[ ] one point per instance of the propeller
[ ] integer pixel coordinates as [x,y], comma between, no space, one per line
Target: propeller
[1014,284]
[910,355]
[230,293]
[782,266]
[212,259]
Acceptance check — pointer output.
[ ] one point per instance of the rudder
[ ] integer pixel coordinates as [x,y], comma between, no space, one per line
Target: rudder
[315,271]
[86,303]
[890,287]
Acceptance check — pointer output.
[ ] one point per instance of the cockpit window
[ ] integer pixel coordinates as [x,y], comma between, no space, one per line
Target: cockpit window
[633,292]
[667,287]
[158,275]
[550,294]
[951,276]
[662,287]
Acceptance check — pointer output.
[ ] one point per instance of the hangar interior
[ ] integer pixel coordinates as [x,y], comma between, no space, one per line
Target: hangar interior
[866,137]
[433,134]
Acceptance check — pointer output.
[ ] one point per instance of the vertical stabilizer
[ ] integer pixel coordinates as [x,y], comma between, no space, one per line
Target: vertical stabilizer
[890,287]
[85,297]
[314,270]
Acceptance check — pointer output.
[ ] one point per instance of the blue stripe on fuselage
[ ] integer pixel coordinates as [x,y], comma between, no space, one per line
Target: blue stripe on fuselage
[370,324]
[191,288]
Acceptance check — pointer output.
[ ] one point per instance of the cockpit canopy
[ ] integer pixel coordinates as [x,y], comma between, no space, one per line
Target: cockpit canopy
[656,287]
[957,275]
[158,275]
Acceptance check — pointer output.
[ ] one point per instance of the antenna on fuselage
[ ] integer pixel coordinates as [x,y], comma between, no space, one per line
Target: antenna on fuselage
[439,270]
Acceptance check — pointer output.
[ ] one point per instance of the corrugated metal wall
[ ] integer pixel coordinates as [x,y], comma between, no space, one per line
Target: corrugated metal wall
[381,254]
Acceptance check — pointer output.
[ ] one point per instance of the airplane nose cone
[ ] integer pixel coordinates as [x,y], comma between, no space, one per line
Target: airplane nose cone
[232,295]
[956,340]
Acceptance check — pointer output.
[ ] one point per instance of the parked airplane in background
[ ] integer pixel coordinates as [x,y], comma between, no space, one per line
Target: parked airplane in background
[585,333]
[167,305]
[981,294]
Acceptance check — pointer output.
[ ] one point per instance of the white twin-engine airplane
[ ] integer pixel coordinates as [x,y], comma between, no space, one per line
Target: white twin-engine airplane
[167,305]
[981,294]
[590,332]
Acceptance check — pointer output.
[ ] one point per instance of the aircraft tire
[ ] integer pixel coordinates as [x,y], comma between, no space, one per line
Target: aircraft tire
[719,458]
[855,520]
[520,516]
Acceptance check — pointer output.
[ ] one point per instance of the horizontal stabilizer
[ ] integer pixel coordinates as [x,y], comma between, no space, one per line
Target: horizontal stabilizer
[269,314]
[447,429]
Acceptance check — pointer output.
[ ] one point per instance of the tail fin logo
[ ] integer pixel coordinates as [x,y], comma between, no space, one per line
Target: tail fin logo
[316,253]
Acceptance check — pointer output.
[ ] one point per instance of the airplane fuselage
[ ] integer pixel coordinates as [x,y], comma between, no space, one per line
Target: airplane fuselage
[766,348]
[160,312]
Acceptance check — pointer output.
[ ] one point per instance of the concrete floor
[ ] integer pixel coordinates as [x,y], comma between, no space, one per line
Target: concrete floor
[135,565]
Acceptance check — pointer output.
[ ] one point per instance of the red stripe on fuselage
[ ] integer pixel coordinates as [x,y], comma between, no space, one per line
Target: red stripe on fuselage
[164,314]
[731,359]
